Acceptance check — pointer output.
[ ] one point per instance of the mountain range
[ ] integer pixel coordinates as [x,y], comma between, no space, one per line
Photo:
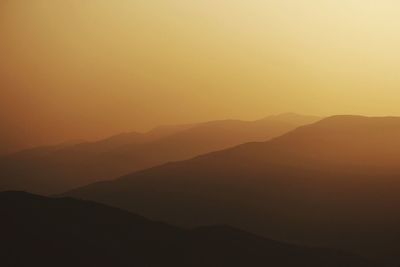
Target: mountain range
[55,169]
[332,183]
[41,231]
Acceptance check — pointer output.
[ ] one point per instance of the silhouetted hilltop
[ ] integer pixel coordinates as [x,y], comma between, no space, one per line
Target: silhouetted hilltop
[40,231]
[55,169]
[294,118]
[334,182]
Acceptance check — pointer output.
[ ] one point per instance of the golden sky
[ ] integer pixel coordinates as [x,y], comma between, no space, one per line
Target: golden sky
[91,68]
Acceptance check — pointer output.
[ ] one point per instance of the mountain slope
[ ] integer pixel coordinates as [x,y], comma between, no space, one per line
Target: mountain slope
[39,231]
[55,169]
[334,182]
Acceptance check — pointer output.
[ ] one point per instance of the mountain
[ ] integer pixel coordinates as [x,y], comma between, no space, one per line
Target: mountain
[333,183]
[41,231]
[54,169]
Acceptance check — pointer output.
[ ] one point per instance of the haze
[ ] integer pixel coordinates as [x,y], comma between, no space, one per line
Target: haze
[87,69]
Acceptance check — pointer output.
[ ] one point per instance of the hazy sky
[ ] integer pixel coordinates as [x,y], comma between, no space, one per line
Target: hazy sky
[91,68]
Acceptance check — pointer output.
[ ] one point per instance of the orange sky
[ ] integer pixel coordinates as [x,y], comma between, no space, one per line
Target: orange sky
[88,69]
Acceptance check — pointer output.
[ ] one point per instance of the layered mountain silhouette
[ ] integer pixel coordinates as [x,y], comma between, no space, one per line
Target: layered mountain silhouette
[334,182]
[55,169]
[41,231]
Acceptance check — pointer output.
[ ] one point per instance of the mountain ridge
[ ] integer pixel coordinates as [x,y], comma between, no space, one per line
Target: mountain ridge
[330,182]
[70,232]
[52,169]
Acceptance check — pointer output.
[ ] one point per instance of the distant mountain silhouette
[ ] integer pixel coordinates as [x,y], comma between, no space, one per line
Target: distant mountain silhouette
[40,231]
[335,182]
[54,169]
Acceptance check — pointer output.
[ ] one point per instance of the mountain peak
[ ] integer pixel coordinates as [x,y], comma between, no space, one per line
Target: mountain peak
[295,118]
[356,122]
[354,118]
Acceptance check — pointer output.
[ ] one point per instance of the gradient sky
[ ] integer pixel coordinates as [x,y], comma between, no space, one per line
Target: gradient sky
[90,68]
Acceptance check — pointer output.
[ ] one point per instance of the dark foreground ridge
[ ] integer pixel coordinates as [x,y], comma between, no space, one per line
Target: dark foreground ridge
[41,231]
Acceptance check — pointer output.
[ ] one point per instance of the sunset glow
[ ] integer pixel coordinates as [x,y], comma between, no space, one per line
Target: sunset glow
[88,69]
[200,133]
